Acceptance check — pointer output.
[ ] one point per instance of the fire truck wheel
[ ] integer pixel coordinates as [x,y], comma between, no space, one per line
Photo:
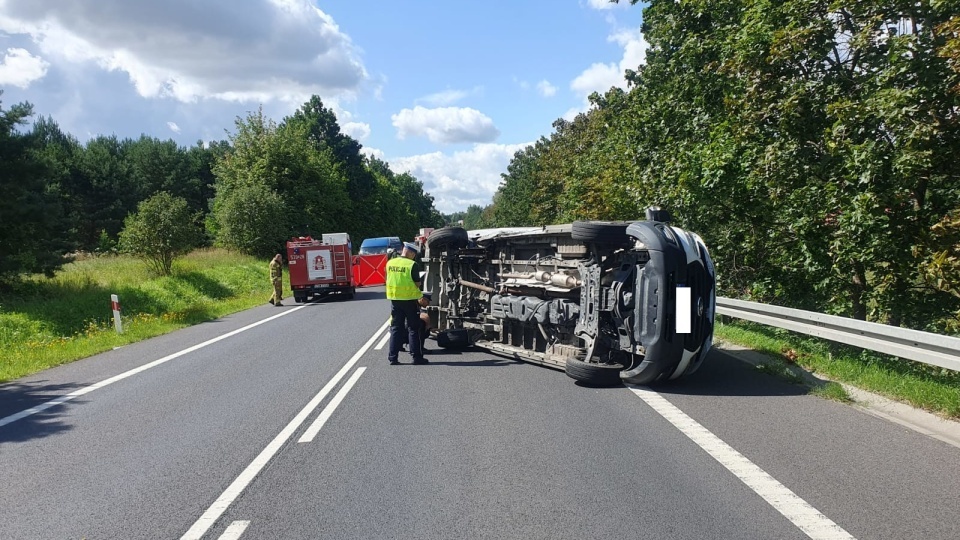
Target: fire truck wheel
[592,374]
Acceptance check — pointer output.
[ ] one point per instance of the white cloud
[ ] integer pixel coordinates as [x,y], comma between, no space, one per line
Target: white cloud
[634,48]
[445,124]
[173,127]
[357,130]
[20,68]
[467,177]
[600,77]
[596,78]
[269,50]
[546,89]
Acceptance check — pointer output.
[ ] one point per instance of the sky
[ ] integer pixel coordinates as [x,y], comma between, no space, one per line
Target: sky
[447,91]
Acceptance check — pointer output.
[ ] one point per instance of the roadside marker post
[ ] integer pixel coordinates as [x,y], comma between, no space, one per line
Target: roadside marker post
[115,305]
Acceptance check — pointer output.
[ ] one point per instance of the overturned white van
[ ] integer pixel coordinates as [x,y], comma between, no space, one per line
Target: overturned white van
[604,301]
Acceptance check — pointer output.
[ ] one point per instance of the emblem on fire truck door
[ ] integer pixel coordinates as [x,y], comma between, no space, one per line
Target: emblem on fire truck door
[318,267]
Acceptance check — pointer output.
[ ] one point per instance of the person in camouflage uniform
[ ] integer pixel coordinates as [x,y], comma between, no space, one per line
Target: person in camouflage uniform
[276,276]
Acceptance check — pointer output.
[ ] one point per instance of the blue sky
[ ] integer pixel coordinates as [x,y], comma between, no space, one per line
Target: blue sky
[445,90]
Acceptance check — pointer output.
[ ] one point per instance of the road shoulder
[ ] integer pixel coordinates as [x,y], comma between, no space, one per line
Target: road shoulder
[915,419]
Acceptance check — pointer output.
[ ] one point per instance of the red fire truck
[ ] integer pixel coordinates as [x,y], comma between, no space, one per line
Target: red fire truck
[319,268]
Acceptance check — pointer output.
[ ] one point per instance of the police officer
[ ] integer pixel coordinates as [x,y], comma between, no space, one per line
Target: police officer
[276,277]
[403,291]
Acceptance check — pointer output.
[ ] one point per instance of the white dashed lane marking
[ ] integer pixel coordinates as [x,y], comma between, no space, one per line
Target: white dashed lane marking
[383,341]
[202,525]
[314,428]
[235,530]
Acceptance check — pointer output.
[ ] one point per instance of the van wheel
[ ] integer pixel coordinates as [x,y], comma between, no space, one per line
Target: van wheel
[447,237]
[453,338]
[592,374]
[601,232]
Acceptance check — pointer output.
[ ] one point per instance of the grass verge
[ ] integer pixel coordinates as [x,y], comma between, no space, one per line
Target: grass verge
[922,386]
[46,322]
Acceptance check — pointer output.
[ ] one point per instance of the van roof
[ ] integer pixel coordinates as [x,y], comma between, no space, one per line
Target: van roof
[380,241]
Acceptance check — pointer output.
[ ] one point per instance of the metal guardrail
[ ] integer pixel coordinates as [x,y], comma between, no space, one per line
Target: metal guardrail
[934,349]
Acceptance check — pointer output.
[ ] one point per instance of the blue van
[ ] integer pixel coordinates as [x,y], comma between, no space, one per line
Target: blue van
[380,245]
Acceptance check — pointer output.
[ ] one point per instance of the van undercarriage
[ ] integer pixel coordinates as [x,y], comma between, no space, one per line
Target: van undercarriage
[596,299]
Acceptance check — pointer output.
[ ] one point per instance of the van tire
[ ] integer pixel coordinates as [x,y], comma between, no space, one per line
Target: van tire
[447,237]
[453,338]
[600,232]
[593,374]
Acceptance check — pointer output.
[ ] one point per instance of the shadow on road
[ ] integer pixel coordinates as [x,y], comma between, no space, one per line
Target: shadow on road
[371,294]
[723,375]
[720,375]
[438,356]
[20,396]
[360,296]
[491,362]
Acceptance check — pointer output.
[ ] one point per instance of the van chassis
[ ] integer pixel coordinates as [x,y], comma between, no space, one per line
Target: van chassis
[590,297]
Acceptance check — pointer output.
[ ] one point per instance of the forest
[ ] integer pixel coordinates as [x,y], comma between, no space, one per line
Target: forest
[269,181]
[813,145]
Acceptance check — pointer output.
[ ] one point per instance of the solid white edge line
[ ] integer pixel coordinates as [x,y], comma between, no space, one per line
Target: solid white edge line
[683,310]
[807,518]
[327,412]
[383,341]
[235,530]
[106,382]
[203,524]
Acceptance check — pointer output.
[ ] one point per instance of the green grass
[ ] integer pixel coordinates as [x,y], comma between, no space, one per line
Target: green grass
[927,387]
[832,390]
[45,322]
[779,368]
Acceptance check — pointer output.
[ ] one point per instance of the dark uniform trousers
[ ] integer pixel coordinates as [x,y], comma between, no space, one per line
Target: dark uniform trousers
[404,317]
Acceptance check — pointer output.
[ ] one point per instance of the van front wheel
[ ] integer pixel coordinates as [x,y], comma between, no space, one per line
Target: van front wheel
[593,374]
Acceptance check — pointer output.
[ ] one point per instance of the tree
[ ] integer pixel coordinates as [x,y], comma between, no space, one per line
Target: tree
[33,234]
[810,142]
[100,192]
[162,228]
[475,219]
[512,201]
[292,170]
[278,166]
[320,127]
[252,219]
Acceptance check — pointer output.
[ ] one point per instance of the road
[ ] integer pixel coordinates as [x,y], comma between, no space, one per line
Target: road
[215,432]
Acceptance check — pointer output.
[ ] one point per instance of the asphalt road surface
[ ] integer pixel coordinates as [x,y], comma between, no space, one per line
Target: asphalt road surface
[289,423]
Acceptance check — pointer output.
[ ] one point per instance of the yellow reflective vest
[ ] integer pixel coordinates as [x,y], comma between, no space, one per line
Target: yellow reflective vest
[400,285]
